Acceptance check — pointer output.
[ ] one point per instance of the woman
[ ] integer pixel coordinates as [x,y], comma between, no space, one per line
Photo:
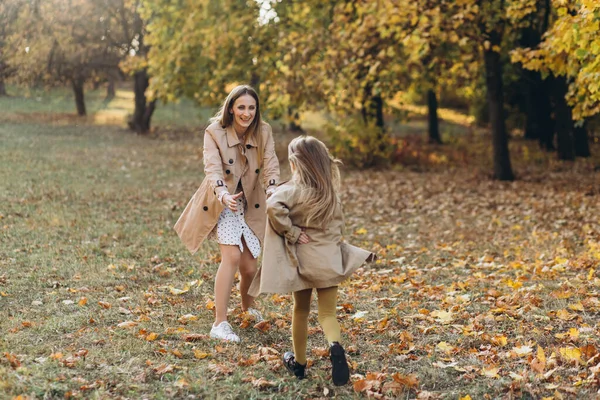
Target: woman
[230,203]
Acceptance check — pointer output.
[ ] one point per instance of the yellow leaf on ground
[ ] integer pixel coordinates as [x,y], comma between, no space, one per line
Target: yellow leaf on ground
[577,306]
[565,315]
[82,301]
[200,355]
[445,347]
[499,340]
[152,337]
[444,317]
[570,354]
[490,372]
[467,397]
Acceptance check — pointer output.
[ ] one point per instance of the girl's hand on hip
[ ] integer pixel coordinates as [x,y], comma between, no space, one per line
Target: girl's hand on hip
[303,238]
[230,201]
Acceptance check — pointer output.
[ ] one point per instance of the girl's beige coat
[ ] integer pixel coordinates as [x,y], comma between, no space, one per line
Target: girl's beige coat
[226,163]
[287,266]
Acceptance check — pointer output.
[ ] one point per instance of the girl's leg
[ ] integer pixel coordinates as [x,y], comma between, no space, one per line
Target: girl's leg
[340,373]
[327,300]
[300,324]
[230,261]
[247,271]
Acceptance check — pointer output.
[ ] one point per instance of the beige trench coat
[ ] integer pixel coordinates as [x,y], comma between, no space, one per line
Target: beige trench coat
[289,267]
[226,163]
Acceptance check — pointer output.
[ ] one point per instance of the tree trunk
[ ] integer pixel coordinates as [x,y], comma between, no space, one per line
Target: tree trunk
[372,108]
[538,110]
[581,141]
[294,120]
[142,114]
[77,84]
[2,88]
[433,122]
[563,121]
[494,85]
[110,90]
[255,81]
[542,108]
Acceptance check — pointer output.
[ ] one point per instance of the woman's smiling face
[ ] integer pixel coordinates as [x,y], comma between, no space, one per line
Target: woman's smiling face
[244,111]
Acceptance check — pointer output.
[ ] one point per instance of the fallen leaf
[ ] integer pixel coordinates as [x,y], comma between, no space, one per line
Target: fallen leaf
[263,326]
[13,360]
[570,354]
[262,383]
[184,319]
[521,351]
[409,381]
[200,355]
[104,304]
[444,317]
[163,369]
[490,372]
[177,292]
[127,324]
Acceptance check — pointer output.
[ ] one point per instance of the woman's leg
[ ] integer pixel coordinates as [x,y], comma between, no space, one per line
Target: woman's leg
[327,300]
[300,324]
[230,261]
[247,271]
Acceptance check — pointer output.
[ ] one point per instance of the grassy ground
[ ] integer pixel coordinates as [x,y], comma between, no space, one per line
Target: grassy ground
[483,288]
[58,106]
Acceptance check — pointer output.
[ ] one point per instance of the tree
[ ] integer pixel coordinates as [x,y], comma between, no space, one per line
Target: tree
[484,23]
[60,43]
[570,50]
[8,16]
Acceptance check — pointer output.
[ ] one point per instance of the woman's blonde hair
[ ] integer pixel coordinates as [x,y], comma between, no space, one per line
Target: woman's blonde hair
[225,116]
[317,172]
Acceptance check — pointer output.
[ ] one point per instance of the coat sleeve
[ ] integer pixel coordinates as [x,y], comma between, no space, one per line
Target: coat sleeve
[213,165]
[270,162]
[278,212]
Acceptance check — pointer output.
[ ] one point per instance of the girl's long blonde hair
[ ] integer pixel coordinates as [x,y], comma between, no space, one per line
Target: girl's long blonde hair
[317,172]
[225,117]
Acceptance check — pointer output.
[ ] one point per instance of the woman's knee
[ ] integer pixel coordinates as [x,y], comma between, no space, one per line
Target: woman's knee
[231,256]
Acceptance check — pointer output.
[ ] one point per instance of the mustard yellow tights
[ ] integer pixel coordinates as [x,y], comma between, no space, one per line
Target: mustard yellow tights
[327,302]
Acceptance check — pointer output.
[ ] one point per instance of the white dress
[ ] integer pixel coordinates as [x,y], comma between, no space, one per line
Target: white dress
[231,227]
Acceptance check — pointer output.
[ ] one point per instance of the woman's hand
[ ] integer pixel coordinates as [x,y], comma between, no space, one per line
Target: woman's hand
[303,238]
[230,201]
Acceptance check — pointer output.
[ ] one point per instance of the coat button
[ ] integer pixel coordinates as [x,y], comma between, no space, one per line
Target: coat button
[257,170]
[227,172]
[256,205]
[248,146]
[205,208]
[231,161]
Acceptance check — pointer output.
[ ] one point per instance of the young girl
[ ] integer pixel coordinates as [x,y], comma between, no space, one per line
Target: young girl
[303,250]
[230,204]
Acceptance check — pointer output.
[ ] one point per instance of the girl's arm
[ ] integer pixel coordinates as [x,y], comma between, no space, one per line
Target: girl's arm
[270,163]
[278,212]
[213,165]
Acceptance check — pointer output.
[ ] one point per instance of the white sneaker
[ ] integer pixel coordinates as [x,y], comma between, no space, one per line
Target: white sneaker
[256,314]
[224,331]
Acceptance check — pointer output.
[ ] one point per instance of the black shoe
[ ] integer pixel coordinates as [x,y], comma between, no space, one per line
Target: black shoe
[340,374]
[291,365]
